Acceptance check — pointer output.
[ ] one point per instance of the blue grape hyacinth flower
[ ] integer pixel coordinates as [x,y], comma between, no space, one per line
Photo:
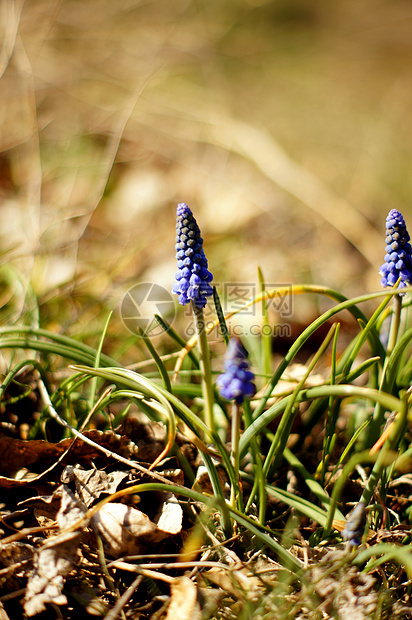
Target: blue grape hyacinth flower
[236,382]
[398,257]
[192,277]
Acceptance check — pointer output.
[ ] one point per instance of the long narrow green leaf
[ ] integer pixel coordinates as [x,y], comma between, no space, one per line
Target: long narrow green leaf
[262,533]
[14,371]
[365,333]
[345,304]
[221,317]
[388,553]
[71,348]
[97,361]
[175,336]
[283,431]
[266,331]
[158,361]
[133,380]
[310,481]
[344,391]
[71,353]
[302,505]
[347,449]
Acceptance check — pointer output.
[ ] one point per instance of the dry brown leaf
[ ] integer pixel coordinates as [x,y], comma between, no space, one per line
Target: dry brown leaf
[92,483]
[202,481]
[124,529]
[170,517]
[15,552]
[55,559]
[235,582]
[127,530]
[44,505]
[183,604]
[18,453]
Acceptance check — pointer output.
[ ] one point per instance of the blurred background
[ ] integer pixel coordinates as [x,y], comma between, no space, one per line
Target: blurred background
[286,125]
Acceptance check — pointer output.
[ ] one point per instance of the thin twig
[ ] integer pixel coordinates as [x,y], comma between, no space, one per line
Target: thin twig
[53,413]
[123,600]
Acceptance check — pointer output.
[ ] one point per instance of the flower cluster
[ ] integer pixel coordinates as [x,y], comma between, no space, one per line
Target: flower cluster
[398,259]
[355,525]
[192,278]
[236,382]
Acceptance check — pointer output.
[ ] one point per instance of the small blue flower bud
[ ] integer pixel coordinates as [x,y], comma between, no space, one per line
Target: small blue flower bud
[355,525]
[236,382]
[398,257]
[192,278]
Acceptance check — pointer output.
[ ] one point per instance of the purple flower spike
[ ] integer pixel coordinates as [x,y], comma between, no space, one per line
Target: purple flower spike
[236,382]
[398,257]
[192,277]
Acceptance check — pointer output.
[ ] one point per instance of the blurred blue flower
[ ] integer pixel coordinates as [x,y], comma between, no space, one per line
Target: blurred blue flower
[192,277]
[398,257]
[355,525]
[236,382]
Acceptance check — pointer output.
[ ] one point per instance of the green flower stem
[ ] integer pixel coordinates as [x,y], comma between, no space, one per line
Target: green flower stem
[259,481]
[205,366]
[394,330]
[379,411]
[235,492]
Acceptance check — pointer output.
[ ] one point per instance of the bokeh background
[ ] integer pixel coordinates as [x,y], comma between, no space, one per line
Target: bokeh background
[286,125]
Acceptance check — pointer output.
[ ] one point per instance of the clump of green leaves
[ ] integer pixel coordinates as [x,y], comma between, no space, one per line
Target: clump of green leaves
[306,447]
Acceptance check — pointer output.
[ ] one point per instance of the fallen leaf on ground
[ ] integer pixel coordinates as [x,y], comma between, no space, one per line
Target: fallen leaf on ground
[124,529]
[127,530]
[183,604]
[170,517]
[92,483]
[55,559]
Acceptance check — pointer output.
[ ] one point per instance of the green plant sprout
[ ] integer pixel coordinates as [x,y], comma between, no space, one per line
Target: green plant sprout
[292,446]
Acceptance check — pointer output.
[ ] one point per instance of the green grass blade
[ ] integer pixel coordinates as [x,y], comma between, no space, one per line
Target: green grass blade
[158,361]
[345,304]
[285,424]
[178,339]
[314,486]
[224,331]
[97,362]
[266,331]
[70,348]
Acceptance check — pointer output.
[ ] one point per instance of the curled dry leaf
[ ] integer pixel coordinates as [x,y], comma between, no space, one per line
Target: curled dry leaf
[51,565]
[39,454]
[55,559]
[127,530]
[3,615]
[44,505]
[235,582]
[202,481]
[183,604]
[14,553]
[124,529]
[170,516]
[92,483]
